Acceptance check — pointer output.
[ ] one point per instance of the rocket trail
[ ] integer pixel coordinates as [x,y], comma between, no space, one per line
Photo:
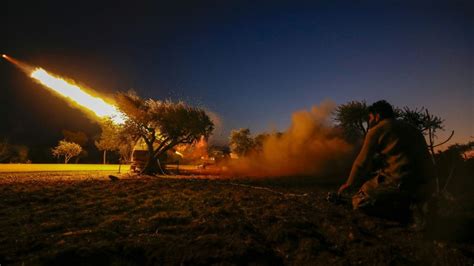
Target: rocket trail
[21,65]
[70,91]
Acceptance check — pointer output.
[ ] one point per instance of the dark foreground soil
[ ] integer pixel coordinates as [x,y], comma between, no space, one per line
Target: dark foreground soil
[86,219]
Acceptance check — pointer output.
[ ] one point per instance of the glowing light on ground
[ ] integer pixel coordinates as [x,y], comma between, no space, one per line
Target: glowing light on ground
[74,93]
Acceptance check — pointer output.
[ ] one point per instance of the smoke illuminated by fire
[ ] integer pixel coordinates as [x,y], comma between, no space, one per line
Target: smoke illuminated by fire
[79,96]
[311,146]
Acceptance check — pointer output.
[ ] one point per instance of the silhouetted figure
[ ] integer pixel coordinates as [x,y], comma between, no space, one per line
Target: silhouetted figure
[405,171]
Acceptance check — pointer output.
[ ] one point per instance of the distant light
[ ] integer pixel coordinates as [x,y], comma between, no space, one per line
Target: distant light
[4,55]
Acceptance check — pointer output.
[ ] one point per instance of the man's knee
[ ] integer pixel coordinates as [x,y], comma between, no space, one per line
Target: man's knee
[375,197]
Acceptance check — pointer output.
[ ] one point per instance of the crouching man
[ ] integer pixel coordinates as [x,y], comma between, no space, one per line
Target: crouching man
[406,172]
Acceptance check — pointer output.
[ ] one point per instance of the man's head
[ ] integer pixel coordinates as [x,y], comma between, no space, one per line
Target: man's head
[379,111]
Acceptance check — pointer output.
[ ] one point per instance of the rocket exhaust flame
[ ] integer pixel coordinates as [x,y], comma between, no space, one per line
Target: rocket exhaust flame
[71,92]
[77,95]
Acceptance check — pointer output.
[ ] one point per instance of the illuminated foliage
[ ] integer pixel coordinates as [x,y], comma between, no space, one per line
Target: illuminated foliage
[67,150]
[241,143]
[259,140]
[114,138]
[109,138]
[162,125]
[126,142]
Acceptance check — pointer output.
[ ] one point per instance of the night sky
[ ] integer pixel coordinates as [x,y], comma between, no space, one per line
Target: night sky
[251,63]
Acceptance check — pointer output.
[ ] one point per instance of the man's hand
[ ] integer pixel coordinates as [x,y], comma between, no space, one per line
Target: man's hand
[342,188]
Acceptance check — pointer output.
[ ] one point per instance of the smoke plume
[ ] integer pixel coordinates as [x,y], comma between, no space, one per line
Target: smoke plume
[311,146]
[218,128]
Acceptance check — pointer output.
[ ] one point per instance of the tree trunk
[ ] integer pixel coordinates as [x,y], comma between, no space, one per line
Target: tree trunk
[151,166]
[105,156]
[433,158]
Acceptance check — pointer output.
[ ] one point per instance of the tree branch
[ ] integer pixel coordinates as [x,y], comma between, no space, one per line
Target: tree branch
[162,144]
[167,147]
[448,139]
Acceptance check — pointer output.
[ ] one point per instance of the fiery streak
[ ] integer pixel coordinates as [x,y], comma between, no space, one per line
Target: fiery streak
[71,92]
[22,66]
[74,93]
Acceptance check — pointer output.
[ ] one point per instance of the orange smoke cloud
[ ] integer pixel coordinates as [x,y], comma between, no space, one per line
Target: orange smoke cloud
[310,146]
[217,133]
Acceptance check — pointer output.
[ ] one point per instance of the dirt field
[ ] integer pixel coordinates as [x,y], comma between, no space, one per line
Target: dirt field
[83,218]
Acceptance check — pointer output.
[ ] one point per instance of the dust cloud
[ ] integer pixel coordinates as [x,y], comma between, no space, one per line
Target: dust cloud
[311,146]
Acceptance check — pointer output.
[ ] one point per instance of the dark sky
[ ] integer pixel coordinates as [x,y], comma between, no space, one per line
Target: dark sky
[251,63]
